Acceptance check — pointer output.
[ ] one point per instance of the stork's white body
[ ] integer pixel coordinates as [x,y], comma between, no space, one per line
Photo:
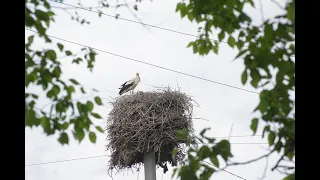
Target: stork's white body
[130,85]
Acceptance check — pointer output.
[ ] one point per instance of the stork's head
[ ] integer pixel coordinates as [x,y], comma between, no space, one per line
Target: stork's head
[137,74]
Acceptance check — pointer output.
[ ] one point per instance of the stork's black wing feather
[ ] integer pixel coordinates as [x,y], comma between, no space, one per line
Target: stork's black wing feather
[124,87]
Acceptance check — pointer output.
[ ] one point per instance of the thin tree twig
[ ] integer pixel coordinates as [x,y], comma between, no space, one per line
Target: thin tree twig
[286,167]
[253,160]
[265,169]
[277,3]
[230,132]
[135,16]
[282,172]
[276,166]
[91,7]
[261,11]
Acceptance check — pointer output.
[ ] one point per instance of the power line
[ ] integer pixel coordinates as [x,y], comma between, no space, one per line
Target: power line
[149,64]
[239,136]
[132,21]
[225,170]
[75,159]
[92,157]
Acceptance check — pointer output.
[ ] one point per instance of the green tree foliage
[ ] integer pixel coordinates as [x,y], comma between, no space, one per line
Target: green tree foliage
[43,69]
[264,48]
[194,165]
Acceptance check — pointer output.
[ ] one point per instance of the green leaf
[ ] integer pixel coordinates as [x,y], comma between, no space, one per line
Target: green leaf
[82,90]
[55,90]
[174,172]
[96,115]
[30,39]
[204,152]
[221,35]
[68,53]
[47,5]
[204,131]
[241,53]
[244,77]
[31,119]
[41,30]
[45,123]
[135,7]
[182,8]
[210,140]
[70,89]
[290,177]
[74,81]
[268,30]
[195,49]
[266,129]
[291,12]
[174,153]
[90,105]
[214,160]
[29,21]
[79,134]
[190,16]
[50,13]
[271,138]
[63,139]
[278,146]
[99,129]
[65,125]
[178,7]
[290,155]
[254,125]
[251,2]
[223,147]
[182,134]
[51,54]
[231,41]
[57,72]
[187,173]
[35,96]
[255,78]
[60,46]
[215,49]
[98,100]
[263,105]
[41,15]
[190,44]
[92,137]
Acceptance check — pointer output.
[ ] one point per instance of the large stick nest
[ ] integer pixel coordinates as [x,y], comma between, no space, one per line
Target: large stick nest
[147,121]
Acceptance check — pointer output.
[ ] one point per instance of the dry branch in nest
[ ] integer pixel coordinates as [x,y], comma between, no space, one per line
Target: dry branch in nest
[147,121]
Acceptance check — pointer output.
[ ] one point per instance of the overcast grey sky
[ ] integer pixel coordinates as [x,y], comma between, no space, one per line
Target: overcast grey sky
[221,105]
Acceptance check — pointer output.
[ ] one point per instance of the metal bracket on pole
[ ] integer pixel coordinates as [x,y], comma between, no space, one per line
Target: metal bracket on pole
[150,166]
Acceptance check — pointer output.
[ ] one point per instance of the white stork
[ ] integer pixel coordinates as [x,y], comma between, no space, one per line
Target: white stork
[129,85]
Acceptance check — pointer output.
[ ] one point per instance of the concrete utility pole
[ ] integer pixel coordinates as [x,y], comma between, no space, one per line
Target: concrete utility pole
[150,166]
